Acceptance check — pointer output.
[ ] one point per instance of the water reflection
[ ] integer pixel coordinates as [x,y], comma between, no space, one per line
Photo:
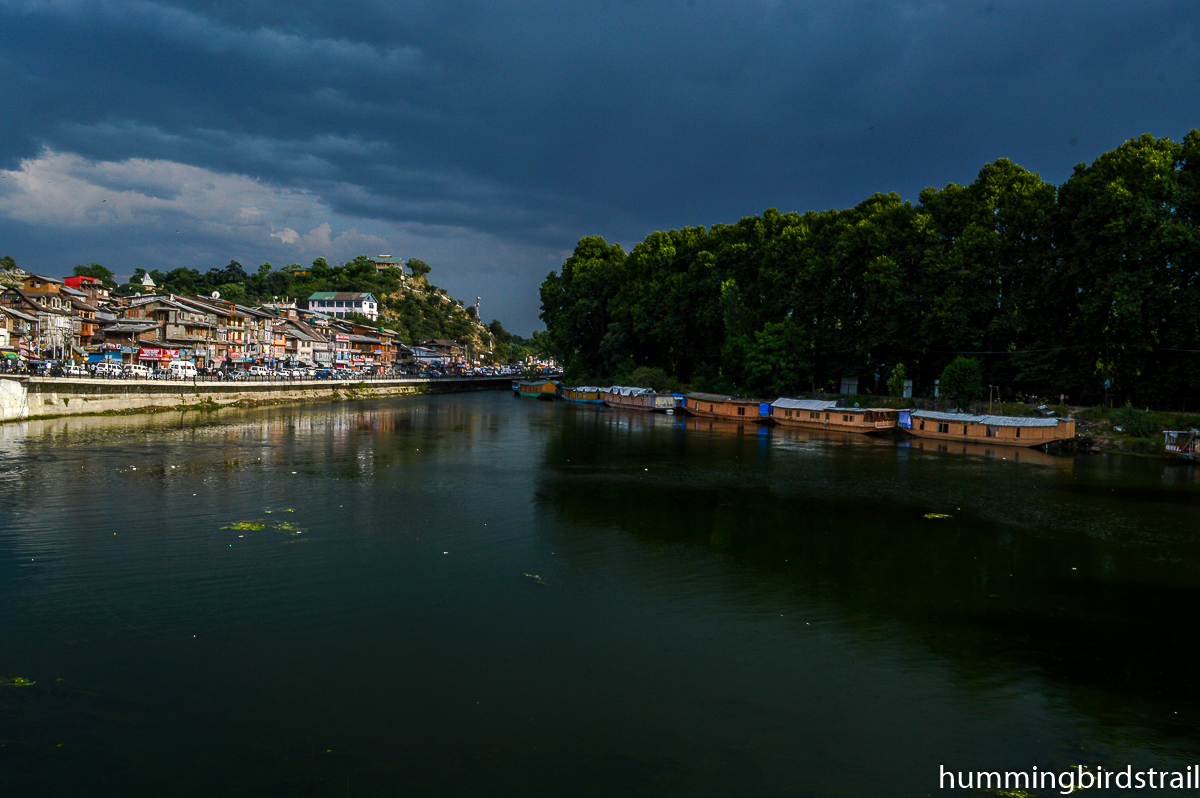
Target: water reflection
[719,609]
[1093,599]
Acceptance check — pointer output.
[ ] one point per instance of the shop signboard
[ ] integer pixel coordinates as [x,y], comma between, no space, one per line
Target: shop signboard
[149,353]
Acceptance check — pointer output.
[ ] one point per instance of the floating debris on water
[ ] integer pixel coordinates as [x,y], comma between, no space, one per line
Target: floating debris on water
[536,579]
[16,681]
[260,524]
[937,515]
[251,525]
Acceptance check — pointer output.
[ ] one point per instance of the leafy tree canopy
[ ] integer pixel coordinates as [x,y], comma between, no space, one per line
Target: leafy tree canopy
[962,381]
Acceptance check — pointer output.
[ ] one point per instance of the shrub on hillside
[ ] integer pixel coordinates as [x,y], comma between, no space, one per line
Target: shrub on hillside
[1136,423]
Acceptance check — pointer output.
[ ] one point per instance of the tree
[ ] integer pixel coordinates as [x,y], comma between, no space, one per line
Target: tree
[7,263]
[232,292]
[895,383]
[98,272]
[777,359]
[962,381]
[418,267]
[646,377]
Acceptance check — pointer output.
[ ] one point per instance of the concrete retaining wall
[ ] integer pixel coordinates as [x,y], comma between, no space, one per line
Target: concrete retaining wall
[25,397]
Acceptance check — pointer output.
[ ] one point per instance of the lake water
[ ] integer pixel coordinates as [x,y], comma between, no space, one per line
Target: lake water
[480,595]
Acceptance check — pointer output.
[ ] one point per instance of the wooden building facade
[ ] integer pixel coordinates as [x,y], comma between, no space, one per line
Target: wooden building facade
[826,415]
[711,405]
[1003,430]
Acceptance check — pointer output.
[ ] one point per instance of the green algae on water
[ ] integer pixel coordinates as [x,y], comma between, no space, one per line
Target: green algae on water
[16,681]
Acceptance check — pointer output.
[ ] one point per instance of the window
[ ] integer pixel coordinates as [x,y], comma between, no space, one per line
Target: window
[943,426]
[845,417]
[1018,432]
[993,432]
[826,416]
[741,411]
[814,415]
[964,429]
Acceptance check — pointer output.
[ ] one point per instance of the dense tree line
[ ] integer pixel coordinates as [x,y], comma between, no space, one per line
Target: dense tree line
[1053,289]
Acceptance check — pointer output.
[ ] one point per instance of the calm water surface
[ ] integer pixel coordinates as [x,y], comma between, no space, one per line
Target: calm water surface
[480,595]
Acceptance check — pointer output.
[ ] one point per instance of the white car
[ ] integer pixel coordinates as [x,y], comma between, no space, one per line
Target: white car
[180,370]
[108,368]
[135,371]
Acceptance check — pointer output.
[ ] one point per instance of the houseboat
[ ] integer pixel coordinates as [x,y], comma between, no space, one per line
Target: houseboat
[1002,430]
[588,395]
[821,414]
[537,389]
[711,405]
[639,399]
[1183,443]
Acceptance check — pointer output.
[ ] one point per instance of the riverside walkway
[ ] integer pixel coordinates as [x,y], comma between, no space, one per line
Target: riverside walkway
[24,397]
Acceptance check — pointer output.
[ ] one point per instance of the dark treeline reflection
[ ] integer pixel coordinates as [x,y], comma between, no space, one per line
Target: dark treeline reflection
[1049,580]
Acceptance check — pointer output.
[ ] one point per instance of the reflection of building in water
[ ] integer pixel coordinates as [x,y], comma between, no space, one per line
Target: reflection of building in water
[801,435]
[724,426]
[1014,453]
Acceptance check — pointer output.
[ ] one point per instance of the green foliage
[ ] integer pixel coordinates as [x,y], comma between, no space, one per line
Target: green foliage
[418,267]
[7,263]
[895,383]
[1135,423]
[97,271]
[646,377]
[359,318]
[776,361]
[1061,287]
[232,292]
[962,381]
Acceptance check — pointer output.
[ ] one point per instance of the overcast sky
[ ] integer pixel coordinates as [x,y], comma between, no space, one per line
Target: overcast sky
[486,138]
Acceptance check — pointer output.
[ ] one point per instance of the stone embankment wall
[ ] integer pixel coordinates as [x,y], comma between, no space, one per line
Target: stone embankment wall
[31,397]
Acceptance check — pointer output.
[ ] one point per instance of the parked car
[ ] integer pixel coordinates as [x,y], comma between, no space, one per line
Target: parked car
[181,370]
[259,372]
[135,371]
[74,370]
[107,368]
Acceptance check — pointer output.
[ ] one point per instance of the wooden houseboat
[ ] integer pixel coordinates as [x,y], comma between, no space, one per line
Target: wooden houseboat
[711,405]
[821,414]
[639,399]
[1183,443]
[1002,430]
[537,389]
[588,395]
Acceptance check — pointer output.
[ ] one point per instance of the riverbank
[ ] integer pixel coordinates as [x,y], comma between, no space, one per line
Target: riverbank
[27,398]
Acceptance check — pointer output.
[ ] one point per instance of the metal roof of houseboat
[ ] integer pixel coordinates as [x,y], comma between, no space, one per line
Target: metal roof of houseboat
[803,404]
[626,390]
[716,397]
[992,421]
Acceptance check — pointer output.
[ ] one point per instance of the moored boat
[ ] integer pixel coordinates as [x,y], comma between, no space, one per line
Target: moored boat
[537,389]
[711,405]
[587,395]
[1002,430]
[826,415]
[1183,443]
[639,398]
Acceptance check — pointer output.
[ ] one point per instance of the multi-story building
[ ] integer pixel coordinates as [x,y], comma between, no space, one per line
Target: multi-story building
[342,302]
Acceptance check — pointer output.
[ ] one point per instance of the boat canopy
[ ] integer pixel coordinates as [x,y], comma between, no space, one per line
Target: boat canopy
[991,421]
[625,390]
[803,404]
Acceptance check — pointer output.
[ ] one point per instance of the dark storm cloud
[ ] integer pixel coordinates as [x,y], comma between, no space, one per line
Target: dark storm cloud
[537,123]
